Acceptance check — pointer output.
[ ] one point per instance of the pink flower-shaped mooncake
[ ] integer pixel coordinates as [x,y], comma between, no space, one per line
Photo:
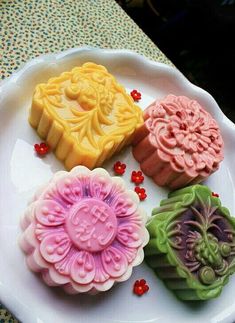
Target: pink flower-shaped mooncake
[84,231]
[179,144]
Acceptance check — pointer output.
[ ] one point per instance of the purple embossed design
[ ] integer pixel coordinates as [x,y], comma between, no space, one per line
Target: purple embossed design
[203,238]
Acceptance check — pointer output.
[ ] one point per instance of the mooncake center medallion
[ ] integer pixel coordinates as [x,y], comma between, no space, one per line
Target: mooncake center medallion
[91,225]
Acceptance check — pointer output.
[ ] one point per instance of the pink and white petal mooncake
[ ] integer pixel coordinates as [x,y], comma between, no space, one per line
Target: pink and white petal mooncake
[84,231]
[179,144]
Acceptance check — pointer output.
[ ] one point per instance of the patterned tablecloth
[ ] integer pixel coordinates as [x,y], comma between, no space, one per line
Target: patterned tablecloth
[35,27]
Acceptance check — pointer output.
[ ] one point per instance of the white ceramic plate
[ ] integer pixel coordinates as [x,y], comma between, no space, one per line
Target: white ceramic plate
[21,172]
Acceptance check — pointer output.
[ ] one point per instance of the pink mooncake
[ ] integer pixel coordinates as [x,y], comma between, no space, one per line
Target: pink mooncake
[179,144]
[84,231]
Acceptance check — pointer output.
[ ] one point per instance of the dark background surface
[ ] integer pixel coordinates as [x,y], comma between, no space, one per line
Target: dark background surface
[198,36]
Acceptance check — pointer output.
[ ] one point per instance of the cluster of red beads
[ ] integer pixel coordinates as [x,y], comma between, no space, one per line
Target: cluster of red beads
[140,287]
[119,168]
[141,193]
[41,149]
[137,177]
[135,95]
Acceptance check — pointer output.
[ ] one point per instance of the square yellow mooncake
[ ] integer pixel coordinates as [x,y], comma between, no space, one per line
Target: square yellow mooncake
[84,115]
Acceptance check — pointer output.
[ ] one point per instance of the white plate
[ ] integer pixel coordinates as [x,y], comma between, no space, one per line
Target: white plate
[21,172]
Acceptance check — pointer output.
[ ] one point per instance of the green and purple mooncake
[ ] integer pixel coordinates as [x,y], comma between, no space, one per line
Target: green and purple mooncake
[192,243]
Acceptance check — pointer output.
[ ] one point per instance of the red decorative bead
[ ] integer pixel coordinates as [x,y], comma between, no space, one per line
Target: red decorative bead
[215,194]
[137,177]
[141,193]
[183,126]
[119,168]
[135,95]
[41,149]
[140,287]
[178,113]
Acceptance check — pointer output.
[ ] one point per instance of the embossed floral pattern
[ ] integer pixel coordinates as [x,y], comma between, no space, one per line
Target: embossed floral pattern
[185,134]
[90,105]
[206,247]
[198,236]
[88,228]
[90,110]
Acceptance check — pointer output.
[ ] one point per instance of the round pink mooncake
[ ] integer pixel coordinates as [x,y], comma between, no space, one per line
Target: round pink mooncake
[179,144]
[84,231]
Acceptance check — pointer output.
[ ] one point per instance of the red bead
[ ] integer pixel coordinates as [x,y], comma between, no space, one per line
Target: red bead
[140,290]
[137,177]
[140,287]
[141,193]
[145,288]
[119,168]
[41,149]
[137,282]
[135,95]
[178,113]
[215,194]
[183,126]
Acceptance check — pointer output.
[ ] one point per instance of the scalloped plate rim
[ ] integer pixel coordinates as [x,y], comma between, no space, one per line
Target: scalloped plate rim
[6,295]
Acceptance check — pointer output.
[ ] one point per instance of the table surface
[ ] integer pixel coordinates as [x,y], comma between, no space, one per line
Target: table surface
[35,27]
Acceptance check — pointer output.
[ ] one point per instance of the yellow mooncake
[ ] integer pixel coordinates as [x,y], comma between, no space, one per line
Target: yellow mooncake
[84,115]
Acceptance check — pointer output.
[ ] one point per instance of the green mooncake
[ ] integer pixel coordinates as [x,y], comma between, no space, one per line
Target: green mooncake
[192,243]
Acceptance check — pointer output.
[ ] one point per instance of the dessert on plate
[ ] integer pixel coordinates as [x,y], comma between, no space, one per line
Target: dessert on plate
[84,115]
[84,231]
[192,243]
[179,144]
